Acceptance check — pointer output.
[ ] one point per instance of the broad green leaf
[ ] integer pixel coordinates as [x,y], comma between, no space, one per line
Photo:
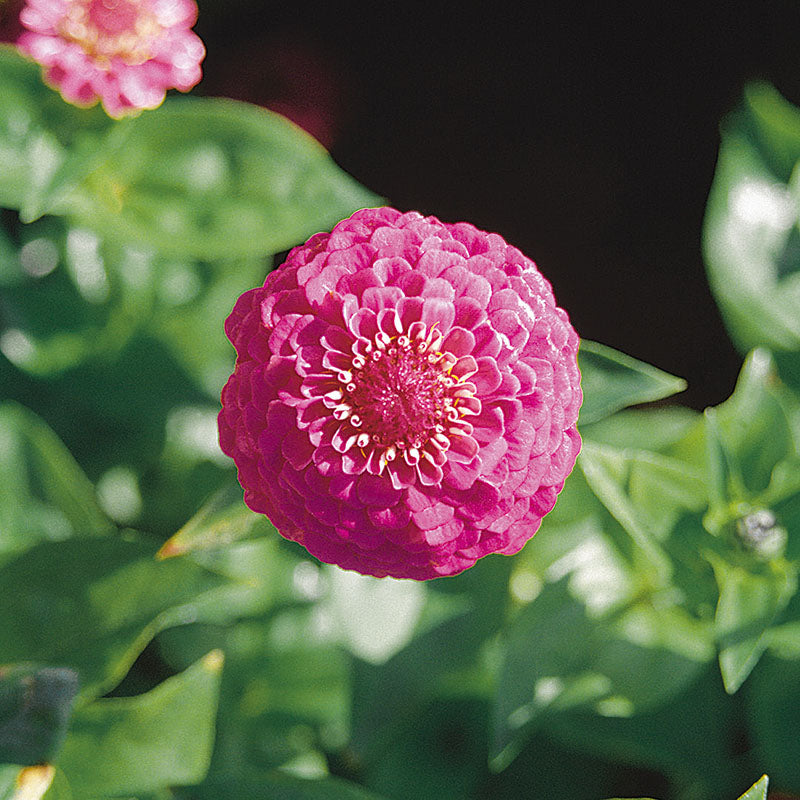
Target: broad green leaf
[612,380]
[92,604]
[387,694]
[748,604]
[753,425]
[46,145]
[750,236]
[285,690]
[44,494]
[558,658]
[655,429]
[758,791]
[35,707]
[214,178]
[140,744]
[680,739]
[277,785]
[773,706]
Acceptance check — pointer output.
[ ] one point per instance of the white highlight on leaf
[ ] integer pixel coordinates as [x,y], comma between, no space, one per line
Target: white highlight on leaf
[16,346]
[85,265]
[38,257]
[375,616]
[118,494]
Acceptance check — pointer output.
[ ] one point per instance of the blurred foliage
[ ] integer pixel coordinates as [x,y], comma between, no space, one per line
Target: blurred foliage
[158,640]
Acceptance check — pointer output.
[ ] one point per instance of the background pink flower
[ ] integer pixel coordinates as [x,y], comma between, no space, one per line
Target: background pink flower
[126,53]
[405,396]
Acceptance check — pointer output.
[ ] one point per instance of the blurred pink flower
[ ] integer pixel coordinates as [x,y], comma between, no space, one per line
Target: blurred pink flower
[125,53]
[405,396]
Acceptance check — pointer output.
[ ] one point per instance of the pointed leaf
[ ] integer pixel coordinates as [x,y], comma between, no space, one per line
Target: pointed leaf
[222,520]
[612,380]
[758,791]
[44,494]
[748,604]
[750,236]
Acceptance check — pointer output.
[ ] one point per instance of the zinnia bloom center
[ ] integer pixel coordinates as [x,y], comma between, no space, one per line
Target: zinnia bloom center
[401,393]
[107,29]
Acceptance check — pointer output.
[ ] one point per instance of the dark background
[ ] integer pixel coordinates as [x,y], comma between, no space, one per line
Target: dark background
[585,135]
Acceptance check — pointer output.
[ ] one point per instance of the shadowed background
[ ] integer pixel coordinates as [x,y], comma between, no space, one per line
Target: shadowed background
[585,136]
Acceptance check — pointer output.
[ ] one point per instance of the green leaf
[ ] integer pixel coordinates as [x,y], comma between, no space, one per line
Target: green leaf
[680,739]
[277,785]
[374,616]
[214,178]
[751,241]
[645,493]
[91,605]
[558,658]
[46,145]
[758,791]
[773,706]
[35,707]
[44,494]
[748,604]
[385,695]
[655,429]
[140,744]
[222,520]
[612,380]
[752,425]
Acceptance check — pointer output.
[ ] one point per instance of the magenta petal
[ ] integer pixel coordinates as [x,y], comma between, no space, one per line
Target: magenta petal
[405,394]
[374,490]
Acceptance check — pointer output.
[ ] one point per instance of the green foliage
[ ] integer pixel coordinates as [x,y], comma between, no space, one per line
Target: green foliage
[612,380]
[751,238]
[125,745]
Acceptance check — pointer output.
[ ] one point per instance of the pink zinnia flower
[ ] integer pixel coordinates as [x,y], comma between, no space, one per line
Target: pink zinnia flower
[405,396]
[126,53]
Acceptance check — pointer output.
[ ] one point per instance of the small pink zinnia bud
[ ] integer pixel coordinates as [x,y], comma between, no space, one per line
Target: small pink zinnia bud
[125,53]
[405,396]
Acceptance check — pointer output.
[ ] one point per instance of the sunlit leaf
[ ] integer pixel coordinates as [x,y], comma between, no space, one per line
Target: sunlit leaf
[214,178]
[750,239]
[139,744]
[758,791]
[222,520]
[558,659]
[46,145]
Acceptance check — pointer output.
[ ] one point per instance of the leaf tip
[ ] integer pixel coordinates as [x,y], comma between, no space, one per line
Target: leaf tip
[33,782]
[170,549]
[213,661]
